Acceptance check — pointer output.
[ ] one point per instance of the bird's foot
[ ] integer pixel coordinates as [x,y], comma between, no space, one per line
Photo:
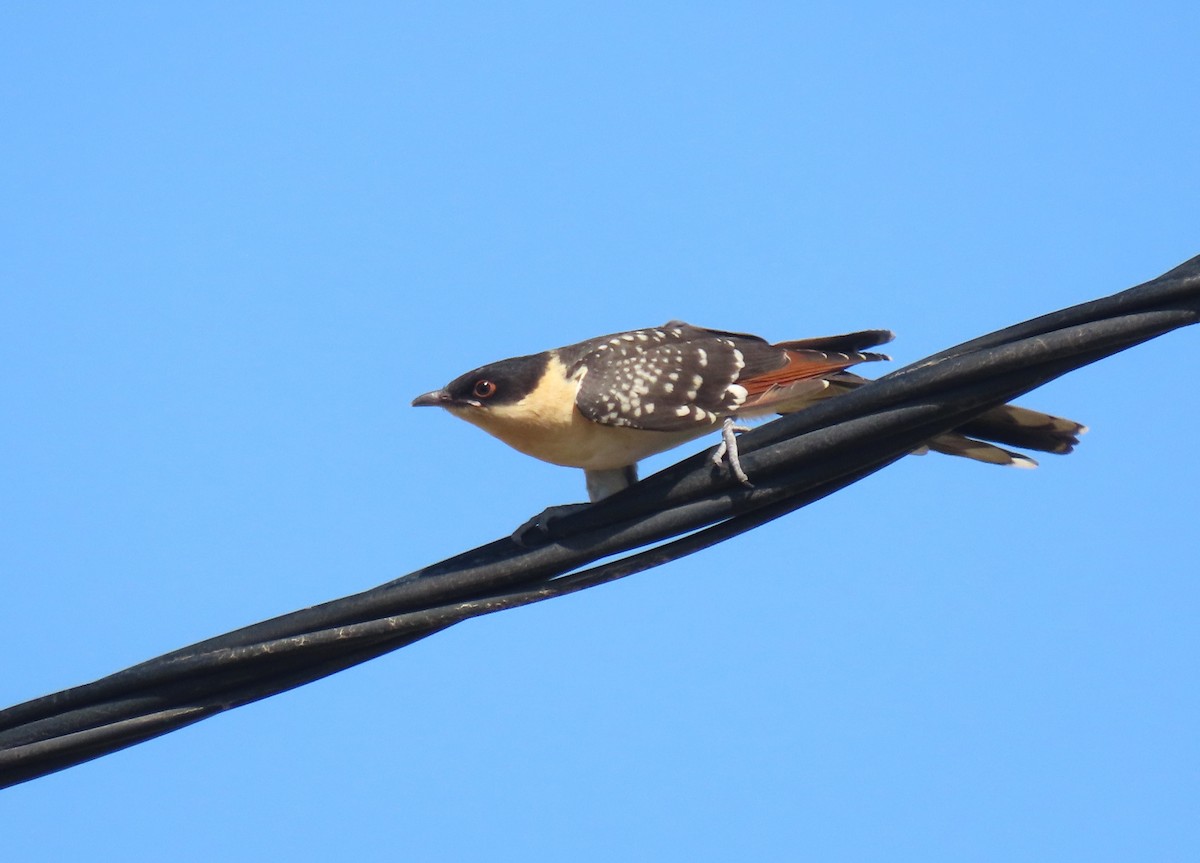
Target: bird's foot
[539,530]
[728,450]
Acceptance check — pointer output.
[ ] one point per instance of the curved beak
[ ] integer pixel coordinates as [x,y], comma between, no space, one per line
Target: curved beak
[435,399]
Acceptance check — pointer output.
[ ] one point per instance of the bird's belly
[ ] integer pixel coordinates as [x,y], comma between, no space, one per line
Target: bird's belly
[572,440]
[607,447]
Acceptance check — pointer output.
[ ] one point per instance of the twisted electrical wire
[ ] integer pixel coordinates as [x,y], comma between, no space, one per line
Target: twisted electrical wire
[690,506]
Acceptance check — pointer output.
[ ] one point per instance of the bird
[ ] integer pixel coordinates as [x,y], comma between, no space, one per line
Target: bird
[606,403]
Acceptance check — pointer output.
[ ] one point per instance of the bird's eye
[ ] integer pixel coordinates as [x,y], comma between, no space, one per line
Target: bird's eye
[484,389]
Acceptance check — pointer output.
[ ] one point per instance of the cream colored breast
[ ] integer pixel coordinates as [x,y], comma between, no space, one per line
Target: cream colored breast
[546,425]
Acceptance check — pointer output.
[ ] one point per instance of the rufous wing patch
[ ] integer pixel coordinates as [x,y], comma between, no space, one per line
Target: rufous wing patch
[800,366]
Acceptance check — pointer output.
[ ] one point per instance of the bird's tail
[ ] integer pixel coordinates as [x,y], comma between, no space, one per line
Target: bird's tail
[1009,425]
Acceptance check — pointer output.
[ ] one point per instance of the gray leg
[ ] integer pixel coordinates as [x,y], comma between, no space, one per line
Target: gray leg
[602,483]
[728,448]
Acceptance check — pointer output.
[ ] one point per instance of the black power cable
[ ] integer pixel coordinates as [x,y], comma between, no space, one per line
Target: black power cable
[793,461]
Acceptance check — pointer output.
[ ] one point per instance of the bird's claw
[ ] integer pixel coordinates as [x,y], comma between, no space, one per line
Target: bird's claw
[727,450]
[539,530]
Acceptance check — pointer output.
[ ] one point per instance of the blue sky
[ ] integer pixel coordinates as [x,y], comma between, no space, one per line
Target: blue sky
[237,241]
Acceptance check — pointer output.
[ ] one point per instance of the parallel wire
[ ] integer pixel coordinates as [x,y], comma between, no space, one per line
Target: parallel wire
[684,509]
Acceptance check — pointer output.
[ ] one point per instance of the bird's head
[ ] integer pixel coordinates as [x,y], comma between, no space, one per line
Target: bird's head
[506,382]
